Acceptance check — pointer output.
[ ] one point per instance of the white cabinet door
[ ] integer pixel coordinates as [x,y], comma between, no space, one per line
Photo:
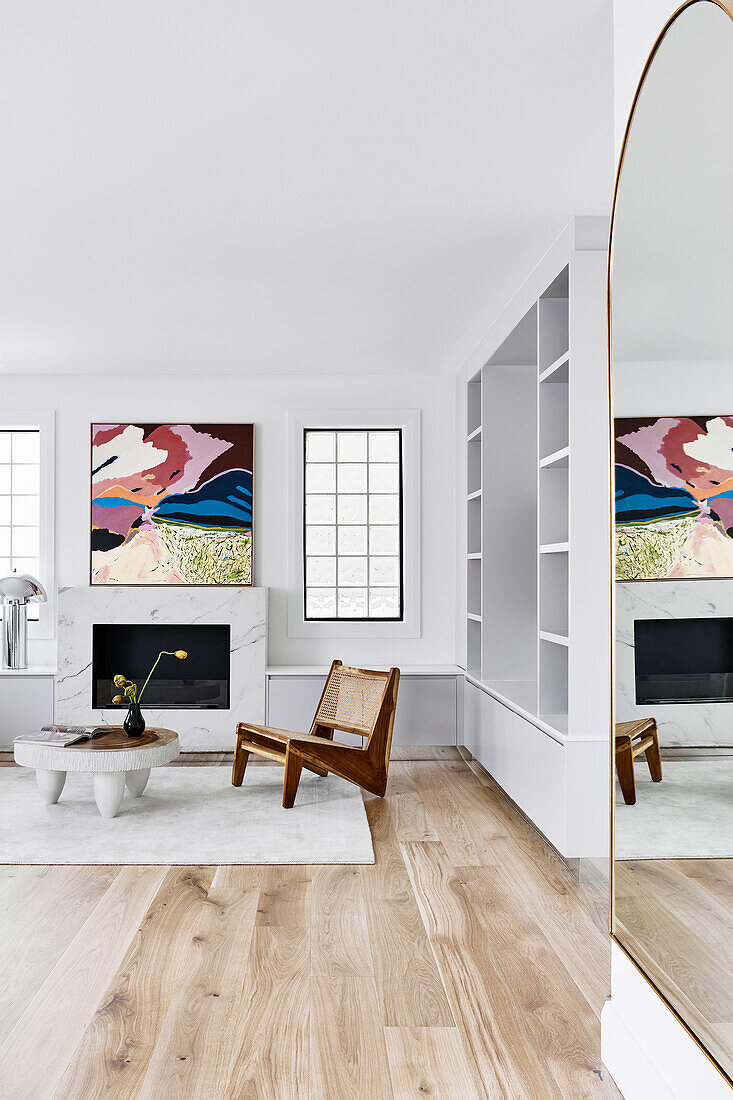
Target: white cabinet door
[26,704]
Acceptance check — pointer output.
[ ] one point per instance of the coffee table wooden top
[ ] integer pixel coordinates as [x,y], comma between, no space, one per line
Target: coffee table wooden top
[116,739]
[109,752]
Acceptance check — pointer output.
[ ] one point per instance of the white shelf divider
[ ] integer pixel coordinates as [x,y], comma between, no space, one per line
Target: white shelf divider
[555,548]
[475,495]
[474,434]
[556,459]
[557,371]
[555,636]
[473,617]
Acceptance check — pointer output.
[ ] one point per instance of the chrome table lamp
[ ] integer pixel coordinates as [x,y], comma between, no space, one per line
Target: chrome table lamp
[16,592]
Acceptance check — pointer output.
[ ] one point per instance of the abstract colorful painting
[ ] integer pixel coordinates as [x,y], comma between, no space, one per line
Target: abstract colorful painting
[172,503]
[674,497]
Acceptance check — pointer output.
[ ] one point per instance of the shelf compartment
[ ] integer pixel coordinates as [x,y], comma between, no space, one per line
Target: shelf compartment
[473,588]
[553,505]
[553,333]
[473,471]
[473,405]
[473,524]
[554,418]
[553,682]
[473,648]
[553,617]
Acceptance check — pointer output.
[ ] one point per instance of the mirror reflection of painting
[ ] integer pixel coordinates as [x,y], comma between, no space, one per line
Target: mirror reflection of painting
[674,497]
[172,504]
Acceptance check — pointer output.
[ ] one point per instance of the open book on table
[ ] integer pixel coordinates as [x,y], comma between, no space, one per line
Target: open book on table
[60,736]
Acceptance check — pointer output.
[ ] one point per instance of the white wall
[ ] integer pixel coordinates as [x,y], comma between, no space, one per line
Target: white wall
[79,400]
[636,25]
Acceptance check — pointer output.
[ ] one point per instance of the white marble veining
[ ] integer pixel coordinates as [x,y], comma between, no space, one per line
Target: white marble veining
[244,609]
[679,723]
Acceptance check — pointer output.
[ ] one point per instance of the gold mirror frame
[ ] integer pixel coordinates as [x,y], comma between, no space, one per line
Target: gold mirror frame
[726,6]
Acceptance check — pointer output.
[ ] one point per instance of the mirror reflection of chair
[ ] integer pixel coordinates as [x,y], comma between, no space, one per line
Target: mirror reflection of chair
[633,738]
[354,700]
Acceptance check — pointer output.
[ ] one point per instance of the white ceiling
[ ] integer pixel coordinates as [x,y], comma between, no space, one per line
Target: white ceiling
[287,186]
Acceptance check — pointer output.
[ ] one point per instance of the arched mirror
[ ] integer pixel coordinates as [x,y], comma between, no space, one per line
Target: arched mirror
[671,320]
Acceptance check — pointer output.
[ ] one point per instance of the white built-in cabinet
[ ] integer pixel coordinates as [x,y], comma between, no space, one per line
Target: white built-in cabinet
[536,583]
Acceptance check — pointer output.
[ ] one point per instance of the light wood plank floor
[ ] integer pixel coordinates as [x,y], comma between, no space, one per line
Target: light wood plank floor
[466,963]
[675,916]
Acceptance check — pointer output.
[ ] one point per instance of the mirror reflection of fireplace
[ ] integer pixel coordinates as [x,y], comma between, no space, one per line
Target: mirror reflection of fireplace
[201,681]
[683,660]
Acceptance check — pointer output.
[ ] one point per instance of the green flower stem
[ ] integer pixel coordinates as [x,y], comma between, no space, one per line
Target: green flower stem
[163,653]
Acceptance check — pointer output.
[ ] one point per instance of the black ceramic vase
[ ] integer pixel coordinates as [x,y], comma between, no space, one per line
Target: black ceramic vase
[134,724]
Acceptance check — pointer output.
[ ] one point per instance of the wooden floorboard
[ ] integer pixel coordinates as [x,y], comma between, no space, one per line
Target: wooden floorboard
[465,963]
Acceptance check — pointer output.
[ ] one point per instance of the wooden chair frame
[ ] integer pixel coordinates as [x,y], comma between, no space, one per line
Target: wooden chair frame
[365,765]
[627,733]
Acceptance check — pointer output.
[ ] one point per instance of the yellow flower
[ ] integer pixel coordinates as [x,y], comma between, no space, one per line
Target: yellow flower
[117,699]
[119,680]
[181,654]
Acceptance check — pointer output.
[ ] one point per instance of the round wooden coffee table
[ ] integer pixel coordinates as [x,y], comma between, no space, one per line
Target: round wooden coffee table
[113,759]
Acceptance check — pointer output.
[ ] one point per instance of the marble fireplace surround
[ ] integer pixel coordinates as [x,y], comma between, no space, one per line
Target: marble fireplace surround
[243,609]
[680,724]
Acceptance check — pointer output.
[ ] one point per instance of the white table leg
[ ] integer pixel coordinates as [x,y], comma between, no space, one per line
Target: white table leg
[137,781]
[50,784]
[109,788]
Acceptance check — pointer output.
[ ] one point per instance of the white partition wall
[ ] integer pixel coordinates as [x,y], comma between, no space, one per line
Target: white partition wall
[536,581]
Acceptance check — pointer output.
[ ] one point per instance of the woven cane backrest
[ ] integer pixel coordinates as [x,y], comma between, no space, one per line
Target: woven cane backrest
[351,699]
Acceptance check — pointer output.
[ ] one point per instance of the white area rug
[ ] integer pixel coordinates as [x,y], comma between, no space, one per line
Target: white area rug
[689,815]
[186,816]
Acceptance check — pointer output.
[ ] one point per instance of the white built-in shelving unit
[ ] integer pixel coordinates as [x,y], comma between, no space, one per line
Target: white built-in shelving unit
[536,574]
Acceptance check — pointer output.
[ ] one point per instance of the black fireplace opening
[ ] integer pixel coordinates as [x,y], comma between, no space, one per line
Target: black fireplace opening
[683,660]
[201,681]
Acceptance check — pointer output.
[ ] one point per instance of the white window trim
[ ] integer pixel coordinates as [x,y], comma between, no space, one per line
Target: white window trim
[409,421]
[44,420]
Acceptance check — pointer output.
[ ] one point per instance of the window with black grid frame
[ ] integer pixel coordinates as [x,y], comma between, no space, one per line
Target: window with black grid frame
[20,517]
[352,537]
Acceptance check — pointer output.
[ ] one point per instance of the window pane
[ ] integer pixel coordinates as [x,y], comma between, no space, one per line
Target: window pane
[320,446]
[25,565]
[384,509]
[352,509]
[4,446]
[25,510]
[384,603]
[4,541]
[26,447]
[320,540]
[320,571]
[384,477]
[352,540]
[384,540]
[353,516]
[4,567]
[320,478]
[320,508]
[352,478]
[4,511]
[352,447]
[26,479]
[25,541]
[320,603]
[384,571]
[352,603]
[352,572]
[384,446]
[4,479]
